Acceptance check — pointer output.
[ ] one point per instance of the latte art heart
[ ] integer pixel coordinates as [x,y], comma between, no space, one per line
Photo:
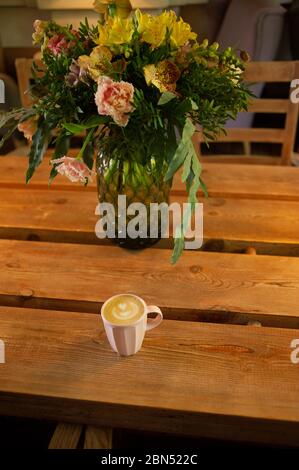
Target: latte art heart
[124,310]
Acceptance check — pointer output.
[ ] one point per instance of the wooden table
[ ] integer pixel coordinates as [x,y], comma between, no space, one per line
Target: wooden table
[204,371]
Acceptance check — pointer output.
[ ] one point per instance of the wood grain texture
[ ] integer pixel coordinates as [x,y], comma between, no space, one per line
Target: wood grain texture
[98,438]
[278,71]
[265,105]
[210,286]
[229,224]
[66,435]
[223,381]
[249,135]
[246,181]
[246,159]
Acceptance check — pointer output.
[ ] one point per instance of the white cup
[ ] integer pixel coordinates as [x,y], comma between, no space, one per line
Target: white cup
[127,339]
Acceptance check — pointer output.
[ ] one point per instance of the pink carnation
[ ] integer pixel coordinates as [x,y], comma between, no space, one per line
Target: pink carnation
[58,43]
[115,99]
[74,169]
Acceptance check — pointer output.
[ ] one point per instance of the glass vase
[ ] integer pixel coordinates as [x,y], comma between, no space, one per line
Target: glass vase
[139,183]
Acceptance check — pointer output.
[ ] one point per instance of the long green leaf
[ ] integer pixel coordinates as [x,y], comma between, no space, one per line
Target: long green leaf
[93,121]
[38,148]
[182,151]
[74,128]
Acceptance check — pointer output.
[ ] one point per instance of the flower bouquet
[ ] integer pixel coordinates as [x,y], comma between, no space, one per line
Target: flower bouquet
[136,88]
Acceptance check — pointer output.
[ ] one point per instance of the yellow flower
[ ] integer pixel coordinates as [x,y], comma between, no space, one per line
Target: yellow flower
[98,63]
[164,75]
[181,33]
[116,31]
[153,29]
[123,7]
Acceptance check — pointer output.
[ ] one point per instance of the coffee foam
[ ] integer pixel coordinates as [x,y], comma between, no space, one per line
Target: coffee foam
[123,310]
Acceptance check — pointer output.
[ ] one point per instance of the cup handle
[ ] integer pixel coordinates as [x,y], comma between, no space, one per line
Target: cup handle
[153,322]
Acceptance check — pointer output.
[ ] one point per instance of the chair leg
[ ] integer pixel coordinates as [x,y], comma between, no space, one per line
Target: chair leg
[98,438]
[66,436]
[247,148]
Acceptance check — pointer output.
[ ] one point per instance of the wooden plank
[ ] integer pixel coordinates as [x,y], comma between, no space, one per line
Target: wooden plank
[263,160]
[249,135]
[208,286]
[234,180]
[271,226]
[239,382]
[66,436]
[278,71]
[229,224]
[265,105]
[250,182]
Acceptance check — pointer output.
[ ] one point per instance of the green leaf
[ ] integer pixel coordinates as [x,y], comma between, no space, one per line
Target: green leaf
[182,151]
[179,243]
[38,148]
[184,107]
[187,167]
[74,128]
[9,121]
[88,155]
[203,187]
[92,122]
[95,121]
[166,97]
[194,105]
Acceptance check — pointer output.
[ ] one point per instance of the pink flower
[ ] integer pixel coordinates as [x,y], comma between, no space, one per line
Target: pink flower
[57,44]
[115,99]
[74,169]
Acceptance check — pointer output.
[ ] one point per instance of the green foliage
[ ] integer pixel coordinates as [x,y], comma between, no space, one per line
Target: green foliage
[38,148]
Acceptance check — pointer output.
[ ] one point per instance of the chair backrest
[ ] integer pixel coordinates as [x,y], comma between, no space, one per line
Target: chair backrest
[24,75]
[254,21]
[277,72]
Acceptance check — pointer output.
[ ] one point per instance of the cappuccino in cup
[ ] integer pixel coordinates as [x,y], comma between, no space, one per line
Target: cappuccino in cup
[123,309]
[125,321]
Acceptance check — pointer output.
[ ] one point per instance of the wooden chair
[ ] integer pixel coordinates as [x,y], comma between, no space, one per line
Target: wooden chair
[24,75]
[263,72]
